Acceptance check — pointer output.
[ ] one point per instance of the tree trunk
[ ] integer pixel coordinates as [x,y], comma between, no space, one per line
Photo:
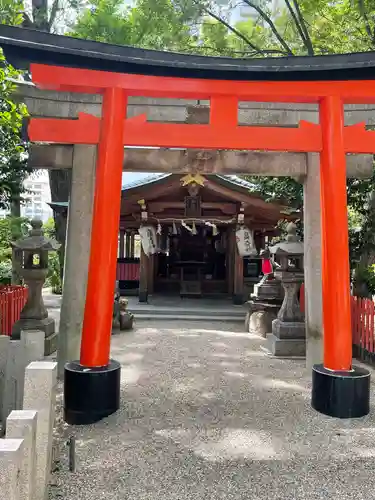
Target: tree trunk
[60,185]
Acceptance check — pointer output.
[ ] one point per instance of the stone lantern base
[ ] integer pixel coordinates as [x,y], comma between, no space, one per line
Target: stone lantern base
[46,325]
[269,290]
[287,339]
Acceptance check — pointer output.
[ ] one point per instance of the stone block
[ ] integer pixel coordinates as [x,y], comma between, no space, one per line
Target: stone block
[14,378]
[47,325]
[40,395]
[288,330]
[33,341]
[286,347]
[260,322]
[51,344]
[20,354]
[11,456]
[4,352]
[21,424]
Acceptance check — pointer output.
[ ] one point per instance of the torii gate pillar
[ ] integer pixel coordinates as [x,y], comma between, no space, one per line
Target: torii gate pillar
[339,389]
[92,386]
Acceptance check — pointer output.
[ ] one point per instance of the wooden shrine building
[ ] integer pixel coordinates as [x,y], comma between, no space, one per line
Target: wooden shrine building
[195,218]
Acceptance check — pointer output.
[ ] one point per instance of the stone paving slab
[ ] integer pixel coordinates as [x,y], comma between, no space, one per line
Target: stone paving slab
[207,415]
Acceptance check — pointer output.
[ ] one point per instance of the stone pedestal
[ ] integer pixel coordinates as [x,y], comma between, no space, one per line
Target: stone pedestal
[46,325]
[34,315]
[261,322]
[264,305]
[260,316]
[288,329]
[288,337]
[270,289]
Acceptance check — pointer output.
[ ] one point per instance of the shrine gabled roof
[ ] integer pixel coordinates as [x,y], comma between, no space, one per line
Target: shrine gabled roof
[152,178]
[24,46]
[143,182]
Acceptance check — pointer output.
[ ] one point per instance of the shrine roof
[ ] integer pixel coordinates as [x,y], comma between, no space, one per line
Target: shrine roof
[234,180]
[143,182]
[25,46]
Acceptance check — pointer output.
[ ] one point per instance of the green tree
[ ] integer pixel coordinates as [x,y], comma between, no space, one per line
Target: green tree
[13,153]
[54,279]
[113,22]
[11,228]
[51,16]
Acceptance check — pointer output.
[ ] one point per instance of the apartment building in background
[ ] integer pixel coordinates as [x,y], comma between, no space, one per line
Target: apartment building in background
[37,197]
[237,11]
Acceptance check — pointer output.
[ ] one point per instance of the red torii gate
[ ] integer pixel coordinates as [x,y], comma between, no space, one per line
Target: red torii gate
[338,388]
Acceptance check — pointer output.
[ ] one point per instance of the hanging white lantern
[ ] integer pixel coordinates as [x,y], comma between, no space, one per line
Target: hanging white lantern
[245,242]
[148,239]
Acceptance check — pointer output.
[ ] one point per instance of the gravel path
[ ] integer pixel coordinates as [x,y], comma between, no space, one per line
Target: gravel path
[206,415]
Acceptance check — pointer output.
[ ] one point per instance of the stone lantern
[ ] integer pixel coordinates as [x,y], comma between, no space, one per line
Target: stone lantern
[288,330]
[34,316]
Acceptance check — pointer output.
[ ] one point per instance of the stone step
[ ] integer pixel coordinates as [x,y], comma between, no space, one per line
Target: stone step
[154,312]
[187,317]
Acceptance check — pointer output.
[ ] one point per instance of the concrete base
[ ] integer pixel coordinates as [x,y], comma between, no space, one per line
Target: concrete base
[260,322]
[143,296]
[288,330]
[90,394]
[286,347]
[344,394]
[46,325]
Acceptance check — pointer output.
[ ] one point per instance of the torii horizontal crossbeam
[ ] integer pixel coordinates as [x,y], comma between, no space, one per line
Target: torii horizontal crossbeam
[139,132]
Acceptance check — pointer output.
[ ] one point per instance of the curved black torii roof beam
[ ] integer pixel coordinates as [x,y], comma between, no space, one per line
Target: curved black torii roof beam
[23,46]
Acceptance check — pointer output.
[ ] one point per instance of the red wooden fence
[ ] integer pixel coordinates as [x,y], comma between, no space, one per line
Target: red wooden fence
[127,271]
[363,324]
[12,300]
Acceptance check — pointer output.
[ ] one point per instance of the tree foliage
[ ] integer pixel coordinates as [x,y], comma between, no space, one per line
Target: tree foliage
[151,23]
[11,228]
[13,154]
